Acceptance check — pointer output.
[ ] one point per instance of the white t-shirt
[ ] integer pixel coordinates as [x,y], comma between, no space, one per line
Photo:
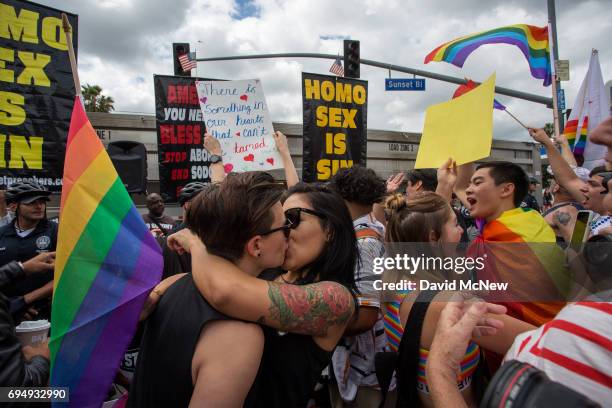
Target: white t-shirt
[574,349]
[23,233]
[599,222]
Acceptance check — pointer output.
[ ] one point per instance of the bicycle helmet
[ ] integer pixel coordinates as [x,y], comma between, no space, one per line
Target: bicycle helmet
[190,190]
[26,192]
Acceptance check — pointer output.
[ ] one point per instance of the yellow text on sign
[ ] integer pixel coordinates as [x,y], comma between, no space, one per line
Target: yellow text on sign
[33,72]
[461,129]
[336,117]
[22,152]
[334,91]
[328,167]
[23,26]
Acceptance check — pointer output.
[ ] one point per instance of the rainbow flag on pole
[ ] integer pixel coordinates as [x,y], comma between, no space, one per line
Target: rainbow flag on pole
[106,264]
[531,40]
[590,108]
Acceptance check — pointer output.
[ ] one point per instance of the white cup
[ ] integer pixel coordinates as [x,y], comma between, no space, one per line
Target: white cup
[32,333]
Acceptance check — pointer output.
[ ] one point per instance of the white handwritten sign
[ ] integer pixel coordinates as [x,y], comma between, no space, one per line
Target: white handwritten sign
[236,114]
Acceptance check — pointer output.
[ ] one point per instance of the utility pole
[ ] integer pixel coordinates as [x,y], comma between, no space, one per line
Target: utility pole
[552,18]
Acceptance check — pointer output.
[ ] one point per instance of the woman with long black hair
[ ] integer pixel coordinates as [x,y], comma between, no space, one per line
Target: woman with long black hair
[306,306]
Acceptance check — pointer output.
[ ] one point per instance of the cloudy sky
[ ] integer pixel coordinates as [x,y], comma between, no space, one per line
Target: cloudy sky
[122,43]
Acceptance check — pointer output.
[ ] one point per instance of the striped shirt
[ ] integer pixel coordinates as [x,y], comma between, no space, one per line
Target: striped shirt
[353,359]
[574,349]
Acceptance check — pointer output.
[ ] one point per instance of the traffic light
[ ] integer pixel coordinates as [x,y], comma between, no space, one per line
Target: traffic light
[179,49]
[351,59]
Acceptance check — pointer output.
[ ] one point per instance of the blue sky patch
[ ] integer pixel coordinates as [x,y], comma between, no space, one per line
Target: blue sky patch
[244,9]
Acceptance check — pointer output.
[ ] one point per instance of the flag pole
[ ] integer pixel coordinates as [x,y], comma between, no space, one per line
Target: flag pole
[515,118]
[75,74]
[467,80]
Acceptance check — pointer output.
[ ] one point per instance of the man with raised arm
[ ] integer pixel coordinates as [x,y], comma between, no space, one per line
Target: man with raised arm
[587,194]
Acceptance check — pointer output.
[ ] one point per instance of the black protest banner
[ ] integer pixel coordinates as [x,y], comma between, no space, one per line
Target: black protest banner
[335,124]
[180,135]
[36,95]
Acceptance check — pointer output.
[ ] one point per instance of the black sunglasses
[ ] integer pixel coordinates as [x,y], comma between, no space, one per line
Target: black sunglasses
[293,215]
[604,182]
[286,228]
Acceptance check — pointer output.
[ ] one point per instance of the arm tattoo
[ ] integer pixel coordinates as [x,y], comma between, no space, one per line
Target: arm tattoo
[562,217]
[309,309]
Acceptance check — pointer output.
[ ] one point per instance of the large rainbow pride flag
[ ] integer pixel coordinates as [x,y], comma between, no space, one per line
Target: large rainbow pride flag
[521,248]
[106,264]
[531,40]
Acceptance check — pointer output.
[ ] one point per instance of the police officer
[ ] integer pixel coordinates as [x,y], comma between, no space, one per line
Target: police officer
[28,234]
[530,201]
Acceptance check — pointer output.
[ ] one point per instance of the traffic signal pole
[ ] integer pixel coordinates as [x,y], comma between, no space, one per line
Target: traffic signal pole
[398,68]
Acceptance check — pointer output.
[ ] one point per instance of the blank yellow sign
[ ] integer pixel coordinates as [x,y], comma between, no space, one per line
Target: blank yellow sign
[461,128]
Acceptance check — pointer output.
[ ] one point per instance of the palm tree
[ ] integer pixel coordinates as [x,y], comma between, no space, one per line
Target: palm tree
[95,101]
[549,128]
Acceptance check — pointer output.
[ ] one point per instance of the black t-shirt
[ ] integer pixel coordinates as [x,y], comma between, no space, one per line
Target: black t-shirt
[165,223]
[174,263]
[290,367]
[163,369]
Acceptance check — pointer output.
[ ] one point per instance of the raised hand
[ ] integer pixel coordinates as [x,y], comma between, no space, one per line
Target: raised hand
[212,145]
[447,173]
[281,142]
[183,241]
[394,182]
[540,136]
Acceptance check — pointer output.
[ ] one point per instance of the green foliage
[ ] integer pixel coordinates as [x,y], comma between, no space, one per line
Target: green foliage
[95,101]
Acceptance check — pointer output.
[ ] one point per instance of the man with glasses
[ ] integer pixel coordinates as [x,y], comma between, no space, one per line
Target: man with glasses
[29,234]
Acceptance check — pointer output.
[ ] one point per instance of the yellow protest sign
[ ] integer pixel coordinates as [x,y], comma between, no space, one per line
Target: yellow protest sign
[461,128]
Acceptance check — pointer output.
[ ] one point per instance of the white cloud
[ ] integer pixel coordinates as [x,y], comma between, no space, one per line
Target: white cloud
[120,42]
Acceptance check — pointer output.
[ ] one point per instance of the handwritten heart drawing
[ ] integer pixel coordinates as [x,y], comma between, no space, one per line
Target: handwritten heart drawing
[270,160]
[250,158]
[237,133]
[228,168]
[203,99]
[244,97]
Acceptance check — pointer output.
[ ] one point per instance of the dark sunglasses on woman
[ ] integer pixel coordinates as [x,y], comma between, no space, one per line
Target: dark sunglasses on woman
[293,215]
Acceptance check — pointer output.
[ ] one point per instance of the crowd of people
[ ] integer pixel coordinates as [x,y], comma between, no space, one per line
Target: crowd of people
[268,296]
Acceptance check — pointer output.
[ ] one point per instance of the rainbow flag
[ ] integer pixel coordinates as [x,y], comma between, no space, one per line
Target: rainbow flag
[590,109]
[521,249]
[577,144]
[531,40]
[106,264]
[468,86]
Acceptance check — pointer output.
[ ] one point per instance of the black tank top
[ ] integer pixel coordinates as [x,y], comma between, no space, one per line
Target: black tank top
[163,370]
[290,367]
